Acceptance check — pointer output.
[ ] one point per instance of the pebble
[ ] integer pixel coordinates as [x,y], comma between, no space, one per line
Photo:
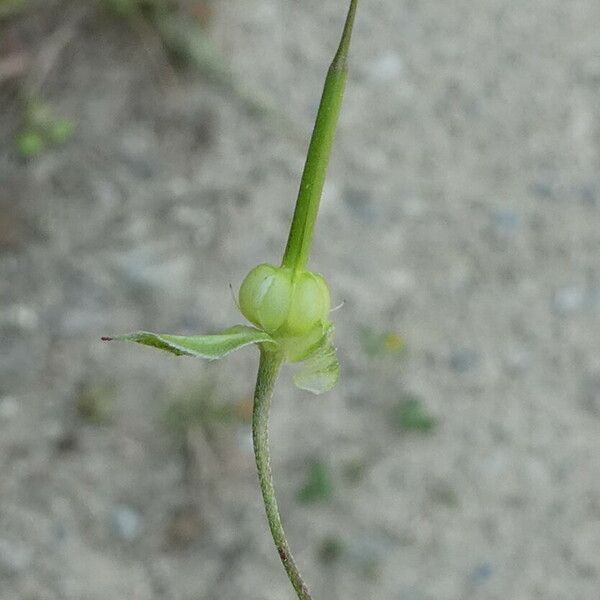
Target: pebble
[127,523]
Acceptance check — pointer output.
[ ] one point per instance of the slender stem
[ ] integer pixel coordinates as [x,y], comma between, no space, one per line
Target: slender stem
[270,363]
[319,151]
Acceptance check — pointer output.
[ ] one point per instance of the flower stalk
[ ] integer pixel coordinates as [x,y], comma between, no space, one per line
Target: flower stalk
[268,370]
[300,237]
[295,258]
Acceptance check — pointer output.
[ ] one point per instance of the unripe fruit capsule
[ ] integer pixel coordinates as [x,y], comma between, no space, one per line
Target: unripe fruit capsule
[310,303]
[265,296]
[277,301]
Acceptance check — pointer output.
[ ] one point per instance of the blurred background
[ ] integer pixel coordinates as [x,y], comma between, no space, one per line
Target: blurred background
[150,152]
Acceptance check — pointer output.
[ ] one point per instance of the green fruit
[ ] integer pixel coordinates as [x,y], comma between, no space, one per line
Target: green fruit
[276,300]
[265,296]
[310,303]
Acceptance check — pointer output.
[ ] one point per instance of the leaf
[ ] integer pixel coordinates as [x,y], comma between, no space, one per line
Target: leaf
[211,347]
[320,371]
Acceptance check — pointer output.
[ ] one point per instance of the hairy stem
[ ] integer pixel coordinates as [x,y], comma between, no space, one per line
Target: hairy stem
[315,169]
[270,364]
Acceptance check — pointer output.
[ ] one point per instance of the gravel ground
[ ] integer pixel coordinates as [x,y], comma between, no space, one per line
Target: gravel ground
[462,214]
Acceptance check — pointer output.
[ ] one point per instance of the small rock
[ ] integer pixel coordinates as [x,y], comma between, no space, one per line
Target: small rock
[127,523]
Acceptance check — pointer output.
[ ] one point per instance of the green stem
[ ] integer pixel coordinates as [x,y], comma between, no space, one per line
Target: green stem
[270,364]
[319,151]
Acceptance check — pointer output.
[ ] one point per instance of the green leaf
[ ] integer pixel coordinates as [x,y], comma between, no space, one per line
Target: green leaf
[320,372]
[211,347]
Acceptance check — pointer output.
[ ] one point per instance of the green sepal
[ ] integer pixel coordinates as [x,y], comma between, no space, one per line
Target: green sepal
[300,347]
[211,347]
[320,372]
